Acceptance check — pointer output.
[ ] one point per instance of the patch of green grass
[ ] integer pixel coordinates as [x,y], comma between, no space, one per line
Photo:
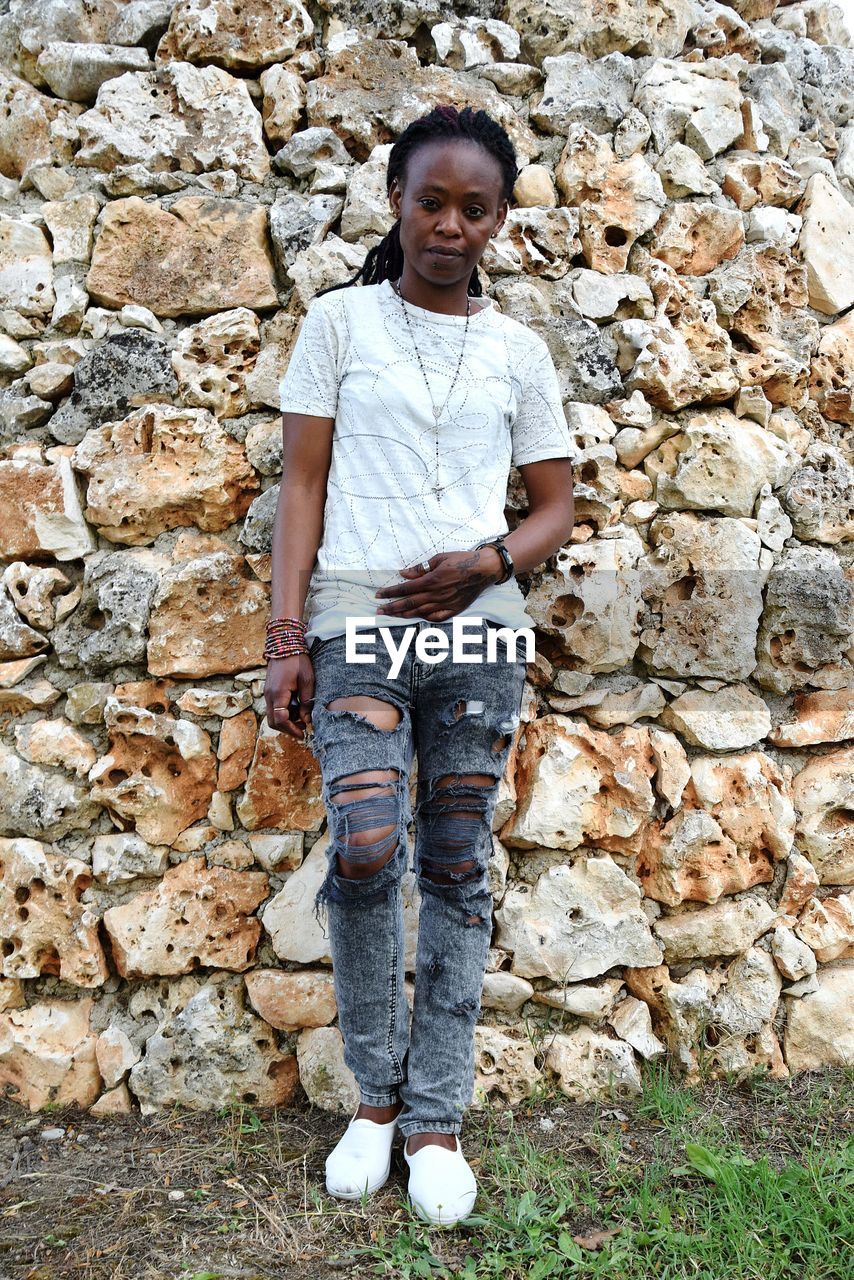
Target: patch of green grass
[694,1206]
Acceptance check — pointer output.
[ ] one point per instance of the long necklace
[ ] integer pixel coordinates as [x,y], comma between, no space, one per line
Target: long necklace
[437,410]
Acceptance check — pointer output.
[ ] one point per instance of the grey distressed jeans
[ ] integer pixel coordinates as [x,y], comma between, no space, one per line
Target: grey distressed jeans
[458,718]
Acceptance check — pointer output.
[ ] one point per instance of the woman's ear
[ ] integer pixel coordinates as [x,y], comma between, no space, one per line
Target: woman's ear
[502,215]
[394,197]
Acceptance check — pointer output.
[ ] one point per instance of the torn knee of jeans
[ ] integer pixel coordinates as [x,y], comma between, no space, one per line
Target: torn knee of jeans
[365,718]
[366,831]
[451,873]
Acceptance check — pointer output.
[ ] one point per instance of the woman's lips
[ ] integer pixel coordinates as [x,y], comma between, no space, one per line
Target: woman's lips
[443,257]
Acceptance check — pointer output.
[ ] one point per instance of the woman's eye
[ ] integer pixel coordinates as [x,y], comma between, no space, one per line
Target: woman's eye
[428,200]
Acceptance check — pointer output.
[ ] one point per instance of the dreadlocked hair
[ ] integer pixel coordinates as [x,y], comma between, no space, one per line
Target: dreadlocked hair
[385,260]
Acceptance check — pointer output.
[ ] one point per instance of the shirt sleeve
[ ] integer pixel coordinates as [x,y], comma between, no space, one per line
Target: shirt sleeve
[539,429]
[310,382]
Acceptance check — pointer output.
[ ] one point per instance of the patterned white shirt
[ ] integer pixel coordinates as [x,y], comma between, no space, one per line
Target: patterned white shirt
[354,361]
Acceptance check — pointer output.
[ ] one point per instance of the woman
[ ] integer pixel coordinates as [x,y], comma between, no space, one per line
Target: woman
[404,403]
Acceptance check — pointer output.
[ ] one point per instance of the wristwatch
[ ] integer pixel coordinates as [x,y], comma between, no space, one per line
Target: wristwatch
[498,543]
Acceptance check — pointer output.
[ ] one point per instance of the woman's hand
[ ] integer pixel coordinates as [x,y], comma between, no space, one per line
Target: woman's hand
[450,582]
[286,679]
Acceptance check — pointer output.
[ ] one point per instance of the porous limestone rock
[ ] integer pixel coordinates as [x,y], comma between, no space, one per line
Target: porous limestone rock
[36,130]
[47,1054]
[801,882]
[702,588]
[718,462]
[618,200]
[283,102]
[579,90]
[819,1032]
[235,749]
[42,513]
[192,118]
[577,785]
[290,1001]
[196,915]
[694,236]
[806,624]
[254,35]
[47,929]
[125,370]
[593,1001]
[505,1068]
[208,616]
[827,244]
[577,922]
[793,958]
[327,1080]
[55,742]
[283,789]
[823,792]
[202,255]
[124,856]
[115,1054]
[76,71]
[832,371]
[632,1022]
[289,918]
[109,625]
[672,768]
[698,101]
[505,991]
[369,91]
[680,1009]
[591,603]
[819,497]
[818,717]
[723,720]
[723,929]
[740,1037]
[597,29]
[750,179]
[826,925]
[591,1065]
[212,1052]
[162,467]
[26,268]
[211,360]
[32,590]
[41,802]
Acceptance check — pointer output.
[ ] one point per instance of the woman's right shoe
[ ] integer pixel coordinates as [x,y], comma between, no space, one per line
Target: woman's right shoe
[361,1160]
[442,1185]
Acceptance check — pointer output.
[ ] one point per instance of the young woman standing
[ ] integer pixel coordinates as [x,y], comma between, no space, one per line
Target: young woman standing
[404,404]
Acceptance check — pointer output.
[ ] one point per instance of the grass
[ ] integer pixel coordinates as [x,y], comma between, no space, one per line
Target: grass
[748,1179]
[700,1209]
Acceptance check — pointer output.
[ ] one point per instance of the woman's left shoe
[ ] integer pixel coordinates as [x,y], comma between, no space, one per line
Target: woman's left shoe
[442,1185]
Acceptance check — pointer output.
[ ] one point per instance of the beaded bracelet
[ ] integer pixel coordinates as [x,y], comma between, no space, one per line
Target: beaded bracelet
[285,638]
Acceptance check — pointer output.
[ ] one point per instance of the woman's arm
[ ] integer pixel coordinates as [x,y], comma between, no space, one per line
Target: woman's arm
[455,579]
[298,527]
[297,530]
[551,514]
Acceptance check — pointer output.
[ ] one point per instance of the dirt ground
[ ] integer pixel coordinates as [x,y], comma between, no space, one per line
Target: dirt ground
[185,1194]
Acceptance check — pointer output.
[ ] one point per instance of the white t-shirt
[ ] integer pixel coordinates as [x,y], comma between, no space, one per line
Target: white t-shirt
[354,361]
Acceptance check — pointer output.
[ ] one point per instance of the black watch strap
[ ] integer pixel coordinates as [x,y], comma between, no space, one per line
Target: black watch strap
[498,543]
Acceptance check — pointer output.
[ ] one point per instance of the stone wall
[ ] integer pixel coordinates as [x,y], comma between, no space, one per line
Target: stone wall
[674,841]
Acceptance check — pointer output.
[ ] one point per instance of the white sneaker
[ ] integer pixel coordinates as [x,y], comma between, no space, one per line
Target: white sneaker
[442,1185]
[361,1160]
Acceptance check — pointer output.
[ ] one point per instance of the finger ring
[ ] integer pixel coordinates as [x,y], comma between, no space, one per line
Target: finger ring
[280,708]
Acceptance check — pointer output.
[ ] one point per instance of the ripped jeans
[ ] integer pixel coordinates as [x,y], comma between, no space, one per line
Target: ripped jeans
[459,718]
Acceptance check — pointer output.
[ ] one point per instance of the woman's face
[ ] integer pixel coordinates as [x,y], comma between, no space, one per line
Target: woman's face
[451,200]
